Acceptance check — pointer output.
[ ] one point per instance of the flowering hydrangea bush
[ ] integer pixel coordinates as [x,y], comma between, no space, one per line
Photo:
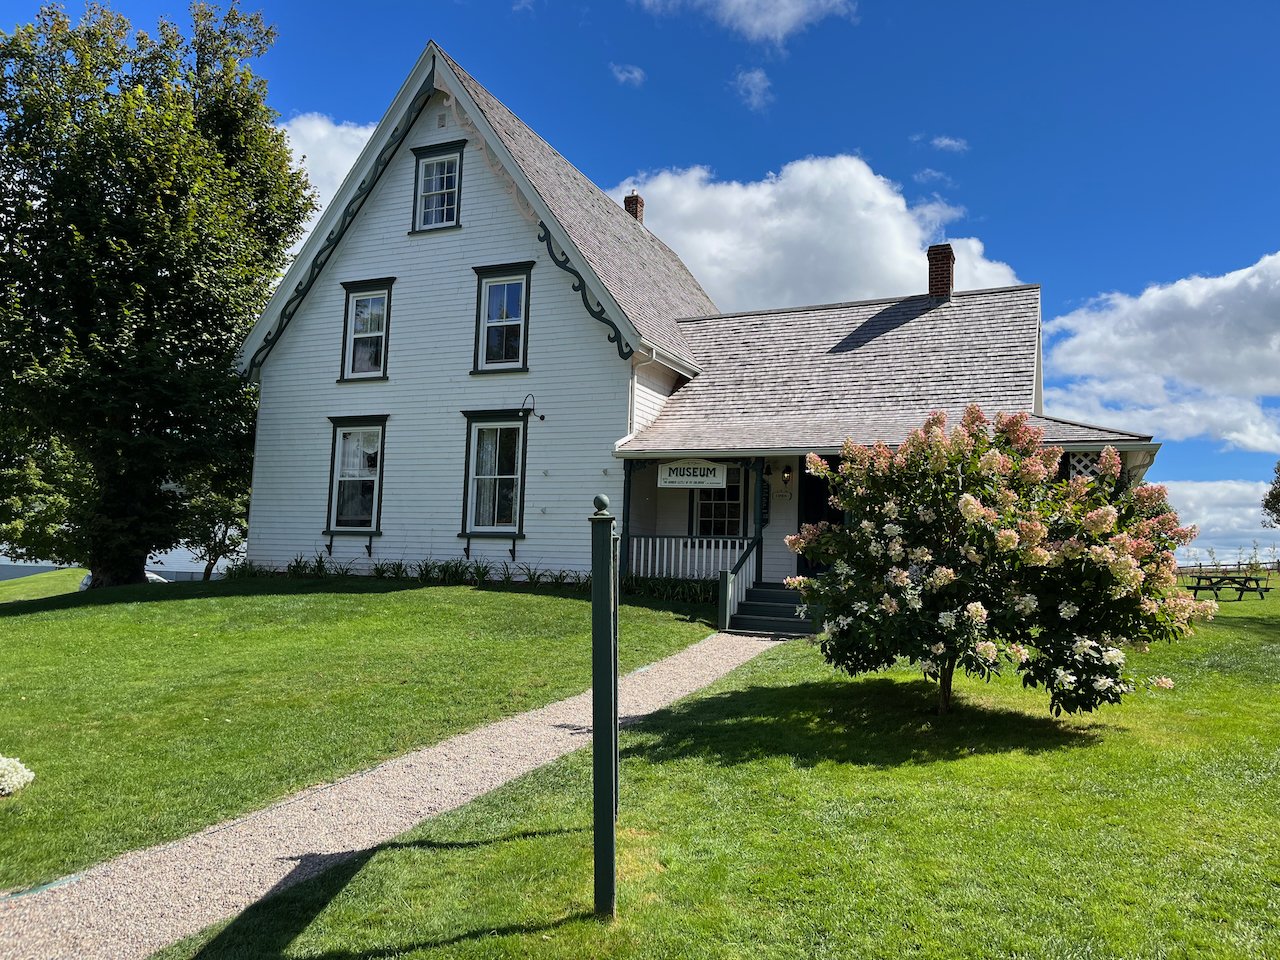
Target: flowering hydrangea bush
[963,549]
[13,776]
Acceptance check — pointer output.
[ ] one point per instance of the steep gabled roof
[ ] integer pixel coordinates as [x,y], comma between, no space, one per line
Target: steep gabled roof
[631,271]
[806,378]
[646,279]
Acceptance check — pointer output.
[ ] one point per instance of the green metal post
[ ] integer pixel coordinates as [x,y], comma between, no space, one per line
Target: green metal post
[604,746]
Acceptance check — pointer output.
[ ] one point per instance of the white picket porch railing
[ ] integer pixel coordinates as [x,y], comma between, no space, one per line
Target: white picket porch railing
[684,557]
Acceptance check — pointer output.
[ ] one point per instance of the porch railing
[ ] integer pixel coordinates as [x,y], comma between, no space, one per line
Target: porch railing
[684,557]
[734,584]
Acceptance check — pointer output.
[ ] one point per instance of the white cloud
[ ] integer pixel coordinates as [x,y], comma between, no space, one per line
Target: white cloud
[521,5]
[627,74]
[753,87]
[1195,358]
[772,20]
[822,230]
[327,149]
[930,175]
[950,144]
[1229,515]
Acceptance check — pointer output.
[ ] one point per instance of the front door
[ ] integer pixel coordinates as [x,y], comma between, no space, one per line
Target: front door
[815,506]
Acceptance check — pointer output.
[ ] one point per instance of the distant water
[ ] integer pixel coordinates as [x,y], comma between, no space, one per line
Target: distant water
[11,571]
[175,565]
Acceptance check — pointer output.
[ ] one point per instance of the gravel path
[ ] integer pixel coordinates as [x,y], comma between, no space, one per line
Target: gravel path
[142,901]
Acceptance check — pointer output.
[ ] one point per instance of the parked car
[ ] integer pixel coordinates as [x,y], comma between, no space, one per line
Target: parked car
[151,578]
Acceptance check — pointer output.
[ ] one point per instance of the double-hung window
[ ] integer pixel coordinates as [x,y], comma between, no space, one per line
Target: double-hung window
[719,513]
[502,317]
[366,329]
[437,189]
[494,495]
[355,485]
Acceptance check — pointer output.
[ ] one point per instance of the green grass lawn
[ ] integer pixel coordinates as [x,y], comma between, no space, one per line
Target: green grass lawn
[37,586]
[793,813]
[148,712]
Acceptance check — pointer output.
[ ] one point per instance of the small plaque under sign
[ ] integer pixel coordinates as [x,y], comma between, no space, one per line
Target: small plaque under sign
[693,473]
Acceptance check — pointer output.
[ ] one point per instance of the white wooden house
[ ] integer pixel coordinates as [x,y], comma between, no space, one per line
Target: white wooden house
[475,340]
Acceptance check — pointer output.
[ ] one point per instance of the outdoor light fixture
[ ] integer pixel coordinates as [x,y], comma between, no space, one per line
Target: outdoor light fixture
[786,474]
[768,468]
[532,407]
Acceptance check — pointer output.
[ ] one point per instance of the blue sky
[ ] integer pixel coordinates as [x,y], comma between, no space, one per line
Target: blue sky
[1121,155]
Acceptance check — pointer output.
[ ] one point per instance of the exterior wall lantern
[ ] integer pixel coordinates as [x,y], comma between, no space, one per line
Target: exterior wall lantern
[786,474]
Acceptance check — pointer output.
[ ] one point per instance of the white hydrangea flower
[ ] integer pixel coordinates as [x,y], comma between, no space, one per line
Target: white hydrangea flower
[1113,657]
[892,530]
[938,648]
[13,776]
[1067,610]
[1103,683]
[1082,646]
[986,650]
[1026,604]
[948,619]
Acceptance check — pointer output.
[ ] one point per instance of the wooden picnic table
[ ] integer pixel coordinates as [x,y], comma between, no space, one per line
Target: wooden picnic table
[1242,583]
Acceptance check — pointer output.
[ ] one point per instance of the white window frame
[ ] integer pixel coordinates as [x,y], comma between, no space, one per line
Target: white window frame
[421,194]
[487,284]
[348,367]
[473,477]
[342,427]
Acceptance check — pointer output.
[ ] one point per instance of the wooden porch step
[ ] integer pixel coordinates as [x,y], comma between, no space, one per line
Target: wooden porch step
[772,593]
[771,626]
[770,608]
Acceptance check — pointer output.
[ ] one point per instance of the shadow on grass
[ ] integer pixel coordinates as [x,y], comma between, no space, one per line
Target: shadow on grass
[265,930]
[877,721]
[291,586]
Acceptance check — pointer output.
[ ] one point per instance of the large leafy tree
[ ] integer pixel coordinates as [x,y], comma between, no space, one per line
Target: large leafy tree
[1271,501]
[147,205]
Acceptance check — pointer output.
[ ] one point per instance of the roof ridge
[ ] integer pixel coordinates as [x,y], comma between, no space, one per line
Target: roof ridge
[810,308]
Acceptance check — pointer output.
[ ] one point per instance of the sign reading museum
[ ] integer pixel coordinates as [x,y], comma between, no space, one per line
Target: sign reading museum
[693,473]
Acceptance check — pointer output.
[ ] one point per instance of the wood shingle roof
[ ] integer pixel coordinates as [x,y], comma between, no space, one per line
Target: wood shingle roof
[806,378]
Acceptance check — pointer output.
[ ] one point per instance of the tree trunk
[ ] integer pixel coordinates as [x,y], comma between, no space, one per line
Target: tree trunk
[208,569]
[944,688]
[118,571]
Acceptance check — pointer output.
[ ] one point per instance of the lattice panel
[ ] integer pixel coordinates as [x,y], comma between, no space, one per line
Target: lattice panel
[1082,465]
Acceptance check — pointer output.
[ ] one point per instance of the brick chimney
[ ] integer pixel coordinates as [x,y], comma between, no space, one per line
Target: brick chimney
[942,271]
[633,203]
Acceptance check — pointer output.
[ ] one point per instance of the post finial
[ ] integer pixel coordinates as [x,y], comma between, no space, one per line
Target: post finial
[602,504]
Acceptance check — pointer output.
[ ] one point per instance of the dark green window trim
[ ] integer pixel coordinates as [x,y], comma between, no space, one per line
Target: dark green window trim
[474,417]
[355,288]
[744,483]
[426,153]
[522,269]
[339,424]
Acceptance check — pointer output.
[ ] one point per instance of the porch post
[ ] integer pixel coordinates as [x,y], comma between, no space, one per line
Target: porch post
[624,559]
[759,519]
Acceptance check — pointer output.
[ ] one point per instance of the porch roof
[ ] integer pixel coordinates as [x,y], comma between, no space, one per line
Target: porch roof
[796,380]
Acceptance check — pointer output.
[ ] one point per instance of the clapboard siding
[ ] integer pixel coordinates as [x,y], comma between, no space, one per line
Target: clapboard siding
[580,384]
[651,386]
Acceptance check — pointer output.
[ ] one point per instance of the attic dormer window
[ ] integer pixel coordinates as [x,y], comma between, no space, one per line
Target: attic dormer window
[437,190]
